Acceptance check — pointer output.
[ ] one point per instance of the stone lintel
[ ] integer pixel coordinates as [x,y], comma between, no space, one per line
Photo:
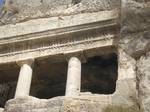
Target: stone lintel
[53,23]
[66,49]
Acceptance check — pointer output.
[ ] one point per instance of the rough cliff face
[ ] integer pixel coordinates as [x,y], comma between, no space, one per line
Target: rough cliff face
[132,82]
[143,73]
[135,41]
[29,9]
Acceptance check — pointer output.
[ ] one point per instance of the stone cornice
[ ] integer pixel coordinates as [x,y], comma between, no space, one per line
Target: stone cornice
[57,35]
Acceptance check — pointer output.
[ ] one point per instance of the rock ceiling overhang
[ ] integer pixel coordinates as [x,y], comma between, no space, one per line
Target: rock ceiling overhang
[58,35]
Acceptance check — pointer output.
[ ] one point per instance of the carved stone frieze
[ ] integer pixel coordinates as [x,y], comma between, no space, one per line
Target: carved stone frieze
[67,36]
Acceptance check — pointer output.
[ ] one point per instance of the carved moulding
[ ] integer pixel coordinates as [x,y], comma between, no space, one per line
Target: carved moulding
[62,38]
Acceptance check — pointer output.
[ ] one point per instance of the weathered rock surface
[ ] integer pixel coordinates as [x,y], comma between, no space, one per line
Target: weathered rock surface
[135,27]
[126,93]
[29,9]
[66,104]
[135,41]
[33,105]
[143,70]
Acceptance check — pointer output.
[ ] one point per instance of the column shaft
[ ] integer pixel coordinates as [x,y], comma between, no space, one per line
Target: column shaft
[24,81]
[73,77]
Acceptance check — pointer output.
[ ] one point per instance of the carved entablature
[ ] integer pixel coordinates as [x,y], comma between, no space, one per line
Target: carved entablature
[59,36]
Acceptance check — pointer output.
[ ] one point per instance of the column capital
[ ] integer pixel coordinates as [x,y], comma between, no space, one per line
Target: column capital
[80,55]
[74,60]
[26,61]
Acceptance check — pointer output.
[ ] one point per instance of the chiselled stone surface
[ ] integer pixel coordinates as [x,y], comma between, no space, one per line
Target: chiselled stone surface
[143,70]
[73,77]
[53,23]
[39,38]
[85,28]
[1,109]
[25,78]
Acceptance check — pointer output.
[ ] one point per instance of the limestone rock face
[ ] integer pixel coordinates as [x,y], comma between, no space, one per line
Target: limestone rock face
[33,105]
[33,9]
[125,95]
[66,104]
[135,41]
[135,27]
[144,79]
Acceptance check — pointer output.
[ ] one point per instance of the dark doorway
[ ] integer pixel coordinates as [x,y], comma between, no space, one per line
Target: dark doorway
[49,79]
[99,74]
[8,81]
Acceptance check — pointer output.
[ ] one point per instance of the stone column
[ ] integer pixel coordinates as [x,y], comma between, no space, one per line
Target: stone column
[73,77]
[1,109]
[25,77]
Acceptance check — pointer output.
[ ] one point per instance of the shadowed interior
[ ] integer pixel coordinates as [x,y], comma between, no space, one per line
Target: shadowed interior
[99,75]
